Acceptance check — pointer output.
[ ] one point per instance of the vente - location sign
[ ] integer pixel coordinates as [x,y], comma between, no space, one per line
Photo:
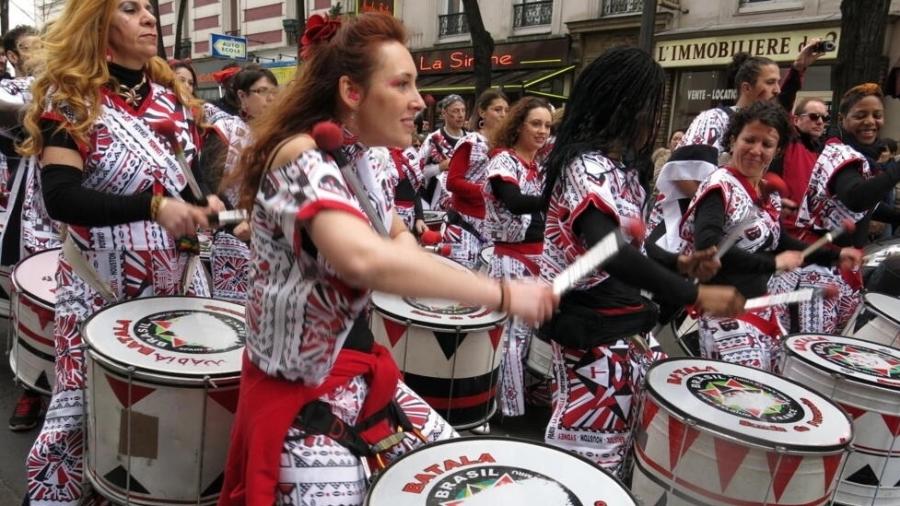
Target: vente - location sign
[718,50]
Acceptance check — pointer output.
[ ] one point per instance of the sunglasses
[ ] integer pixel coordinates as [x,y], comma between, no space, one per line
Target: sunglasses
[814,116]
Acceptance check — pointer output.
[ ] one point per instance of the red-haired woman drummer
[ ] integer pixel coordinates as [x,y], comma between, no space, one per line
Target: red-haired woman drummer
[843,186]
[734,196]
[102,112]
[317,258]
[613,110]
[515,223]
[465,180]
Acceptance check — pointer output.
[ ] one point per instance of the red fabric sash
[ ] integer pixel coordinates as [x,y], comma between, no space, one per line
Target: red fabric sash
[267,406]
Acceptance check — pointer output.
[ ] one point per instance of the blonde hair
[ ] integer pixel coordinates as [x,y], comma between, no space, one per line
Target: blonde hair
[73,69]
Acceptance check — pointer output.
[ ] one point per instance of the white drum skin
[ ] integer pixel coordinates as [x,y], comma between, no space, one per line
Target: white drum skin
[877,320]
[33,350]
[495,471]
[162,385]
[863,378]
[449,353]
[712,432]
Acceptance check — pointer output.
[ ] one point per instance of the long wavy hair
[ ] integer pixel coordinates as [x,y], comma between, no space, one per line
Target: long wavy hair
[313,96]
[73,70]
[615,106]
[507,134]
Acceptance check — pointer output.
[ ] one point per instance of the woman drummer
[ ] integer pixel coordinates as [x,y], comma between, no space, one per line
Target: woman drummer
[100,124]
[465,180]
[733,197]
[846,184]
[515,223]
[317,258]
[601,339]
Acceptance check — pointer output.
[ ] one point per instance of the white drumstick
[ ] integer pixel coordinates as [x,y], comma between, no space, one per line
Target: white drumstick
[794,297]
[585,264]
[731,238]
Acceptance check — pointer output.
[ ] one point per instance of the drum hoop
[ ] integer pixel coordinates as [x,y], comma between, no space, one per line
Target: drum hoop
[437,326]
[18,288]
[793,449]
[156,378]
[876,309]
[868,383]
[378,477]
[198,377]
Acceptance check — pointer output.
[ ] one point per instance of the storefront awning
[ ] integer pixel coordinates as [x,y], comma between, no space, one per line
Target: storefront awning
[517,81]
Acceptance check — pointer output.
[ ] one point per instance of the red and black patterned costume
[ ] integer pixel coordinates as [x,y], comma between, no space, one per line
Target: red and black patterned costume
[465,181]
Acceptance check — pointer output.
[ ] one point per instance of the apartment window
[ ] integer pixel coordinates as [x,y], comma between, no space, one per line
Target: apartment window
[768,5]
[322,4]
[453,21]
[622,7]
[532,13]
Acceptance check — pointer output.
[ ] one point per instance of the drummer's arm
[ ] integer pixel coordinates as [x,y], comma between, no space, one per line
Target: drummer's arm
[400,234]
[364,259]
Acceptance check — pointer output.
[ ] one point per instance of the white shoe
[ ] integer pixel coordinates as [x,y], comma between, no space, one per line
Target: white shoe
[482,429]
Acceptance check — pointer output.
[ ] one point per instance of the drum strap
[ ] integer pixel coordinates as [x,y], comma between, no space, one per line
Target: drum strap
[83,269]
[317,418]
[455,218]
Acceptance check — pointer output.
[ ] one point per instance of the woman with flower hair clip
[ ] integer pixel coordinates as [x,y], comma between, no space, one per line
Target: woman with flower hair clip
[324,237]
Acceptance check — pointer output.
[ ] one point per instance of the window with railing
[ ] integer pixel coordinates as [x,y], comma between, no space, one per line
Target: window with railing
[532,14]
[453,24]
[616,7]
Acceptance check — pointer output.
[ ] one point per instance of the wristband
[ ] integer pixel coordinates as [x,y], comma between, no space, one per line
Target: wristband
[156,204]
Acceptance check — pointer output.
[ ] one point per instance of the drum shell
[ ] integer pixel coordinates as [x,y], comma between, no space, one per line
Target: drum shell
[461,386]
[34,348]
[875,322]
[5,289]
[171,452]
[873,409]
[484,258]
[434,220]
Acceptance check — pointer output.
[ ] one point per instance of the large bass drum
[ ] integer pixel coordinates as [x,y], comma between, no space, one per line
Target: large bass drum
[877,320]
[711,432]
[495,471]
[864,379]
[162,390]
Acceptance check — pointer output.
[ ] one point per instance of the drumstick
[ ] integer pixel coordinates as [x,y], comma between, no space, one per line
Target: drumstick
[731,238]
[168,131]
[846,226]
[794,297]
[225,218]
[586,263]
[439,249]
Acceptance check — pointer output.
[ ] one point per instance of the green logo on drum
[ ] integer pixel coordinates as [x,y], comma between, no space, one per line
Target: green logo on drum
[491,484]
[859,359]
[745,398]
[190,331]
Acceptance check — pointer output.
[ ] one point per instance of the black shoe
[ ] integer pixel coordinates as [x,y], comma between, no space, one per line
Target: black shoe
[28,412]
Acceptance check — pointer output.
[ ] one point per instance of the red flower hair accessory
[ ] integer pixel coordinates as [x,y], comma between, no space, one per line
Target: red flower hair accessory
[318,29]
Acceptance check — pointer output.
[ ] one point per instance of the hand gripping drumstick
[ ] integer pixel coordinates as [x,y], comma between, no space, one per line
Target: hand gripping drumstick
[168,131]
[226,218]
[847,226]
[329,138]
[794,297]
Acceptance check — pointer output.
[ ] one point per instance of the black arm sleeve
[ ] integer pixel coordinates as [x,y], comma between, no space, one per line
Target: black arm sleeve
[67,201]
[513,199]
[789,88]
[860,194]
[417,208]
[666,258]
[886,213]
[822,256]
[630,266]
[212,162]
[709,222]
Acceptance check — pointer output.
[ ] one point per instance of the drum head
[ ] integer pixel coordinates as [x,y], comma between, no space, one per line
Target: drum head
[884,304]
[495,471]
[749,404]
[855,359]
[438,314]
[36,276]
[174,336]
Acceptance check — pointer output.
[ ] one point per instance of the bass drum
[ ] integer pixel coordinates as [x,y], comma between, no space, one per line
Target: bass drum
[495,471]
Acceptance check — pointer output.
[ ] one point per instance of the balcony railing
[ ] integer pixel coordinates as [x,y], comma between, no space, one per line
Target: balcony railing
[453,24]
[532,14]
[627,7]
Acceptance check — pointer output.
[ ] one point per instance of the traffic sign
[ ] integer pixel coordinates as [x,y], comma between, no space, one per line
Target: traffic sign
[228,46]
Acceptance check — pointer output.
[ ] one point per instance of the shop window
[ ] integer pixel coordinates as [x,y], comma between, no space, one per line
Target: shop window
[453,22]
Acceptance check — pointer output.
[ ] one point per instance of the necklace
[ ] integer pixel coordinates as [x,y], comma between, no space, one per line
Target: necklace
[130,94]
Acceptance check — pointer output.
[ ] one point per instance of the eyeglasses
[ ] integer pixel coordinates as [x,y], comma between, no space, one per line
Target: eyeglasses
[265,91]
[814,116]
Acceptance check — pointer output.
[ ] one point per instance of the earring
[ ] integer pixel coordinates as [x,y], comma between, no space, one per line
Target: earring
[109,55]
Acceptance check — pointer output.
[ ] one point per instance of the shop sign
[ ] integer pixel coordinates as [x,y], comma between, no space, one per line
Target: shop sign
[778,46]
[538,54]
[714,95]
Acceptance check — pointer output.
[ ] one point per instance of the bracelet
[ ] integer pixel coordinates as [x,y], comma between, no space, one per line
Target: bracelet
[505,296]
[156,203]
[502,296]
